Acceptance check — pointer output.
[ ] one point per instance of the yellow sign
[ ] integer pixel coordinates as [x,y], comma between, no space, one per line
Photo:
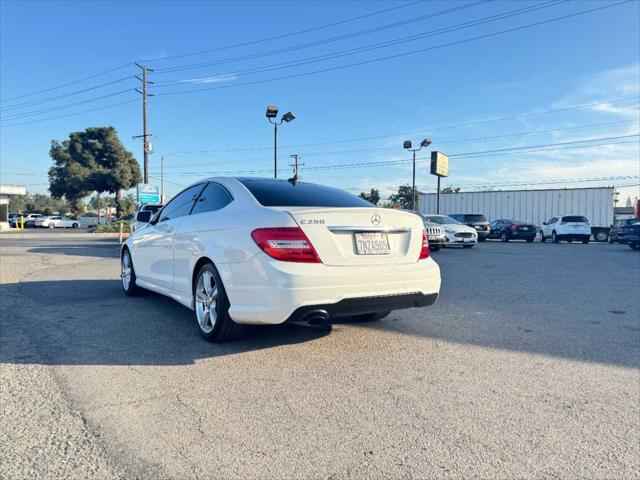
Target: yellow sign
[439,164]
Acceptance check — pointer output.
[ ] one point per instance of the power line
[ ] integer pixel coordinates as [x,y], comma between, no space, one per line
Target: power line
[17,116]
[532,149]
[286,35]
[68,83]
[546,182]
[275,37]
[327,40]
[397,55]
[68,114]
[64,95]
[444,142]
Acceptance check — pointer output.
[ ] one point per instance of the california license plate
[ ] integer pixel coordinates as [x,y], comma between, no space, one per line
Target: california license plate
[372,243]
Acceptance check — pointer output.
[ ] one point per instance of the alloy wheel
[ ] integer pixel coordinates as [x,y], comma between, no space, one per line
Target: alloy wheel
[206,302]
[126,270]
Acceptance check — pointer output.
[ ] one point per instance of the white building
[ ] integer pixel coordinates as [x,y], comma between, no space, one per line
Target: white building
[5,192]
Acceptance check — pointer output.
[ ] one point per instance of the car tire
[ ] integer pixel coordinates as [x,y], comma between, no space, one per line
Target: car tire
[529,240]
[75,225]
[482,239]
[601,236]
[542,237]
[128,274]
[634,246]
[370,317]
[207,284]
[51,225]
[504,237]
[434,248]
[554,237]
[467,246]
[569,240]
[586,240]
[610,239]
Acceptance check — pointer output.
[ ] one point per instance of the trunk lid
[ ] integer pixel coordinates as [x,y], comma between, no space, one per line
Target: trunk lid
[333,233]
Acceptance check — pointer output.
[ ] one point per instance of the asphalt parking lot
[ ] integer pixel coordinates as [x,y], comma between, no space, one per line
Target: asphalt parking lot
[528,366]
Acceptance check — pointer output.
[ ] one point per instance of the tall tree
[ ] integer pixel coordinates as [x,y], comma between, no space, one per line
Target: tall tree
[403,197]
[92,160]
[450,190]
[373,196]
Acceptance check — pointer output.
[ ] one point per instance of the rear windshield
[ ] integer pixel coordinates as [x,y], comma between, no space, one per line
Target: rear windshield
[575,219]
[475,218]
[282,193]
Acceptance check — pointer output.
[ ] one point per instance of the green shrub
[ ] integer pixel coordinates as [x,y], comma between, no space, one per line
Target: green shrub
[113,227]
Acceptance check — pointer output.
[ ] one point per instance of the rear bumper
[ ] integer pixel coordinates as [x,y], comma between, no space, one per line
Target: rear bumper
[359,306]
[522,235]
[266,291]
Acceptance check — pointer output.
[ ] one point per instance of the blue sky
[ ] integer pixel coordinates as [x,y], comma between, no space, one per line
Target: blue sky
[585,59]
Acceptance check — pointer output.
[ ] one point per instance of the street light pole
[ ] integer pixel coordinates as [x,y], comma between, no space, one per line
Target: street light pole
[162,175]
[407,146]
[413,183]
[275,149]
[272,113]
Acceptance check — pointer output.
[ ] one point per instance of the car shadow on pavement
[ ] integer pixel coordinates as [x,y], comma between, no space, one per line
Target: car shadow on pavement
[105,250]
[91,322]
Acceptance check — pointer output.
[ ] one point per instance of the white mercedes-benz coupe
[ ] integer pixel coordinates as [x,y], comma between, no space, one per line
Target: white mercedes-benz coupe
[241,251]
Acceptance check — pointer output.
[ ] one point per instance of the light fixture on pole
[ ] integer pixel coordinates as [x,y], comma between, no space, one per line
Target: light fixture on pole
[407,146]
[272,114]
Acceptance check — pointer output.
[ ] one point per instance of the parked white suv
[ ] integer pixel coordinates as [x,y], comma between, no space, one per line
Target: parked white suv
[566,227]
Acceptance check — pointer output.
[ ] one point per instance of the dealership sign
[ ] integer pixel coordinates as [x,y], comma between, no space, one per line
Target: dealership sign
[439,164]
[147,194]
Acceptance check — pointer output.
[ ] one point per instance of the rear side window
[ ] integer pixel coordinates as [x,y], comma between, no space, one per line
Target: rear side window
[475,218]
[282,193]
[214,197]
[575,219]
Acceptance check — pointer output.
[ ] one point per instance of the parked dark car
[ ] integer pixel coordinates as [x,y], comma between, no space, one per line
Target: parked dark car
[615,228]
[630,234]
[474,220]
[507,230]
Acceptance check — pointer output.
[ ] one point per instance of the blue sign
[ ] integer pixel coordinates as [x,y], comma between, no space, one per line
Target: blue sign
[147,194]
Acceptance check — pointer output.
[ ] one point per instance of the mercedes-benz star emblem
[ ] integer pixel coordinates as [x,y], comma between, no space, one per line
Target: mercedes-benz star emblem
[375,219]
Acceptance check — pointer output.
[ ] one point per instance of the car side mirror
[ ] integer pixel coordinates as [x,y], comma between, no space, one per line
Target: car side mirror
[144,216]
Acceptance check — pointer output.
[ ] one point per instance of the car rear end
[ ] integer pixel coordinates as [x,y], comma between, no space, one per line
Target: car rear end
[331,261]
[522,231]
[574,227]
[630,234]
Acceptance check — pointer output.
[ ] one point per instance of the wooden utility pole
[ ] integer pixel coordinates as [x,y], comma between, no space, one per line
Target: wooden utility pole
[296,165]
[145,134]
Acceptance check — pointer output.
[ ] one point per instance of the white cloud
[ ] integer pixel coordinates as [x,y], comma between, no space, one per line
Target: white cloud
[210,79]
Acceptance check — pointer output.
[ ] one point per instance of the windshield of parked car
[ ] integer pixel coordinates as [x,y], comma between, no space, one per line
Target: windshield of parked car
[442,219]
[574,219]
[283,193]
[475,218]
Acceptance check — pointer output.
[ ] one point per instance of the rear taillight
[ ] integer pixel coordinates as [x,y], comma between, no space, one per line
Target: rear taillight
[288,244]
[424,250]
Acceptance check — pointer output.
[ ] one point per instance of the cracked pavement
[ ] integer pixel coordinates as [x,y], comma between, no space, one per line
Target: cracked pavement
[524,368]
